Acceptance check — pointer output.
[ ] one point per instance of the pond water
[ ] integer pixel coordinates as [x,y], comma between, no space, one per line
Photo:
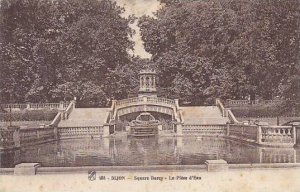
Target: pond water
[145,151]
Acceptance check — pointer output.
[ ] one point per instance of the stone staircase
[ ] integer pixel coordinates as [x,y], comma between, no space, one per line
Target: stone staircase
[83,117]
[203,115]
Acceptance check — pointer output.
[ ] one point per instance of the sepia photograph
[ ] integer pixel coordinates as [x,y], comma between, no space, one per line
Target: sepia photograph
[169,95]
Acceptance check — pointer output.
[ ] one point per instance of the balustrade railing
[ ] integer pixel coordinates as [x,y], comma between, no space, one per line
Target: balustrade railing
[89,131]
[251,102]
[35,106]
[277,155]
[112,111]
[232,118]
[9,137]
[249,132]
[265,135]
[277,134]
[56,120]
[34,135]
[144,99]
[221,107]
[14,106]
[199,130]
[69,109]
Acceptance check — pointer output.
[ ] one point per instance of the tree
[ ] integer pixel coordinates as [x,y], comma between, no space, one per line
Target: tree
[246,47]
[55,50]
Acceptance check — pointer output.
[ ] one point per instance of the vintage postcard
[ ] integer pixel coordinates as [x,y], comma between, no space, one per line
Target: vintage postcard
[142,95]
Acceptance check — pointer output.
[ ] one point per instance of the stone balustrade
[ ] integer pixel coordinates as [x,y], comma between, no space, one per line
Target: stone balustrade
[204,130]
[56,120]
[14,106]
[277,134]
[264,135]
[277,155]
[221,107]
[35,106]
[137,104]
[69,110]
[232,118]
[132,109]
[35,135]
[63,114]
[16,137]
[153,100]
[77,132]
[231,102]
[249,132]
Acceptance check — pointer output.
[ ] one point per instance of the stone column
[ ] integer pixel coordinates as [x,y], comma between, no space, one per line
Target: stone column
[177,102]
[144,79]
[150,82]
[61,105]
[227,129]
[55,132]
[179,129]
[144,99]
[294,135]
[297,135]
[226,112]
[28,106]
[259,135]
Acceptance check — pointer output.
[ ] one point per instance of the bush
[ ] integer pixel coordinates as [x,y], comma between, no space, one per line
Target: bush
[29,115]
[261,111]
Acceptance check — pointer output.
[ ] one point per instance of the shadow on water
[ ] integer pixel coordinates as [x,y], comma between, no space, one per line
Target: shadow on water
[145,151]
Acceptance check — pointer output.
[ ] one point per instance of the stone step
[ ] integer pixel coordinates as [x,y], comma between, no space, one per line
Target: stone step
[86,117]
[203,115]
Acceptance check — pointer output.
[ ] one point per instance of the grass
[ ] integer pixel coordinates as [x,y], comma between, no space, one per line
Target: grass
[29,115]
[270,110]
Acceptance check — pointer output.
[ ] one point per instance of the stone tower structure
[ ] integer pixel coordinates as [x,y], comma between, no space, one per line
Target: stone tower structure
[148,78]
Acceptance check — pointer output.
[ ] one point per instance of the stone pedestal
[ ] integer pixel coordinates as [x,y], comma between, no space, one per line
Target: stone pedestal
[106,130]
[26,168]
[297,133]
[216,165]
[61,105]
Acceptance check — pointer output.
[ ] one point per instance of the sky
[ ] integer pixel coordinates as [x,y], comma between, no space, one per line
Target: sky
[139,8]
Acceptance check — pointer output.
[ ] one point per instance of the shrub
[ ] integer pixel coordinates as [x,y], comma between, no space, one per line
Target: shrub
[272,110]
[29,115]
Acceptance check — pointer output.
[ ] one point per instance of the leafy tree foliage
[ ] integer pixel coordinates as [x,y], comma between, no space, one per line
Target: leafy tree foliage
[224,48]
[52,50]
[55,50]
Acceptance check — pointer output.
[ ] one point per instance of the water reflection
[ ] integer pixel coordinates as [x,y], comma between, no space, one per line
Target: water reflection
[146,151]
